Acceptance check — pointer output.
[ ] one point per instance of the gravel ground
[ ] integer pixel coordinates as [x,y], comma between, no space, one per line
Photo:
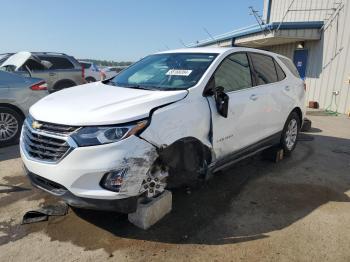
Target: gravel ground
[294,210]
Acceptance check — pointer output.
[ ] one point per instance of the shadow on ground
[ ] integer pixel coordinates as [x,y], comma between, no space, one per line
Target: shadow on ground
[10,152]
[241,204]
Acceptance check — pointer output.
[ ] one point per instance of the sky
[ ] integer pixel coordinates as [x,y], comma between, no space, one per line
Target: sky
[116,30]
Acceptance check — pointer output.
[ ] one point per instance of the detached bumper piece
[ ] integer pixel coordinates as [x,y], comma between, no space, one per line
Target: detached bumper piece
[126,206]
[43,214]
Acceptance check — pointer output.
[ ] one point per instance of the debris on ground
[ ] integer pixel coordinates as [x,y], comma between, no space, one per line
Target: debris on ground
[43,214]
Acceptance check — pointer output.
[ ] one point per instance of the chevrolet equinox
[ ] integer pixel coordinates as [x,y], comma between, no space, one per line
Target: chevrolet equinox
[171,117]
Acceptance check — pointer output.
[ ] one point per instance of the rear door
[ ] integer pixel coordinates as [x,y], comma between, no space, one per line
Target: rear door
[241,128]
[272,85]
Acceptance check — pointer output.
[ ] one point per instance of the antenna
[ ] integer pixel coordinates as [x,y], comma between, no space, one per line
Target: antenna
[210,35]
[258,19]
[182,42]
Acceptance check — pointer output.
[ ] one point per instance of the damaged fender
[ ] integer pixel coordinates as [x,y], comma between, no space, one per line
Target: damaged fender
[181,133]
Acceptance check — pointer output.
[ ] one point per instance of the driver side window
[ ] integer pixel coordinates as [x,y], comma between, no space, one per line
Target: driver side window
[234,73]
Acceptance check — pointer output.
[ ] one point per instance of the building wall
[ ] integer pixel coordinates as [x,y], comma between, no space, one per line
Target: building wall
[300,10]
[328,67]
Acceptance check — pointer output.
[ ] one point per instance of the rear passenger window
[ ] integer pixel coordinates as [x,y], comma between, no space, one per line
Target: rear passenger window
[58,62]
[290,65]
[280,73]
[234,73]
[264,67]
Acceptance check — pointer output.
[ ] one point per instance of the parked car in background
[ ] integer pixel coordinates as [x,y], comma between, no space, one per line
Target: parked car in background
[17,94]
[59,70]
[91,71]
[190,111]
[4,56]
[111,71]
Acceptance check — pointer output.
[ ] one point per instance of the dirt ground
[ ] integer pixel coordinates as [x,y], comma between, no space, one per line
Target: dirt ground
[295,210]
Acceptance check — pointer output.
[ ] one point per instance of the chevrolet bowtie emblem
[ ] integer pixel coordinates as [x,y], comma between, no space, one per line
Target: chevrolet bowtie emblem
[36,125]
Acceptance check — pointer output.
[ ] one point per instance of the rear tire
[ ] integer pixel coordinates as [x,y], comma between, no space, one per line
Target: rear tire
[90,79]
[290,133]
[62,85]
[10,126]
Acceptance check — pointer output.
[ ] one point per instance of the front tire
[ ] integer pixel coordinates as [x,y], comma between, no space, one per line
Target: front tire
[10,126]
[290,133]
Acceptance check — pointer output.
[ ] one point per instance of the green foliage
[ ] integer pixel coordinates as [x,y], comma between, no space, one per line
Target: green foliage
[108,63]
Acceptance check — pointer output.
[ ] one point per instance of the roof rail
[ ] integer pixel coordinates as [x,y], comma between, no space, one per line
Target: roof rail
[48,53]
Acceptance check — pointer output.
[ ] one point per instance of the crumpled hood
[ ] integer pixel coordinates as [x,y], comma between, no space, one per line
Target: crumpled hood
[100,104]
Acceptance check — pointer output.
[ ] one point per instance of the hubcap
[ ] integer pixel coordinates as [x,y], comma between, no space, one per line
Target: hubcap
[155,183]
[8,126]
[291,134]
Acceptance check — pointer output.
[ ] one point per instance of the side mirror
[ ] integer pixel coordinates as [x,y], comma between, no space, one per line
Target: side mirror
[221,99]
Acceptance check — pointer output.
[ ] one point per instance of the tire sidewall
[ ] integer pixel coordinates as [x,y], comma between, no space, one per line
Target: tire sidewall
[287,151]
[19,118]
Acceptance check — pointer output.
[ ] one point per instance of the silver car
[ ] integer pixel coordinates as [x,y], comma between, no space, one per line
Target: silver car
[59,70]
[17,94]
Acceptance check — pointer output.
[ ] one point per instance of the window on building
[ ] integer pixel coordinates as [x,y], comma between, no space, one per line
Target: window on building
[58,62]
[290,65]
[264,68]
[234,73]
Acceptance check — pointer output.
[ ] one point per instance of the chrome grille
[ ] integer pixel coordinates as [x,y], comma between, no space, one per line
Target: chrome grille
[55,128]
[45,146]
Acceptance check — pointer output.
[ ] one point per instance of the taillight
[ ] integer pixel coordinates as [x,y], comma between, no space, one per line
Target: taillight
[39,86]
[304,86]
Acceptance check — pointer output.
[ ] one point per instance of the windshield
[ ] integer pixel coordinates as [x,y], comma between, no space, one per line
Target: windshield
[173,71]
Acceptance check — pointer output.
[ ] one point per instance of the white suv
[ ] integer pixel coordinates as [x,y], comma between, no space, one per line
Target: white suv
[171,117]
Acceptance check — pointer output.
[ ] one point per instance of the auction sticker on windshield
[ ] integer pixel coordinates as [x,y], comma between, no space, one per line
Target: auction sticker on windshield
[178,72]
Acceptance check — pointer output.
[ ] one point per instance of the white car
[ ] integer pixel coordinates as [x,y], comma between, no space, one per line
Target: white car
[193,111]
[112,71]
[91,71]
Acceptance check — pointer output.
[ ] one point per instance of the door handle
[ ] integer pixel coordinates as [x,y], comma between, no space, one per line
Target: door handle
[52,74]
[287,88]
[253,97]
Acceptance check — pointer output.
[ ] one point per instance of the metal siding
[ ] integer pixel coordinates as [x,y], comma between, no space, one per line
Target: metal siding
[280,7]
[328,68]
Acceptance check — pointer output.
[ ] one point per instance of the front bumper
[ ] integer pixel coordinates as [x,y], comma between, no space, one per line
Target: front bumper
[126,205]
[81,171]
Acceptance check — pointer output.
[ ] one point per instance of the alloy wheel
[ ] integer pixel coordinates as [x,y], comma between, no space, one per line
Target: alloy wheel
[8,126]
[291,134]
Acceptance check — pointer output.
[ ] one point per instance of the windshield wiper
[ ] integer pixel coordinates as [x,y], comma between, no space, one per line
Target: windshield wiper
[133,86]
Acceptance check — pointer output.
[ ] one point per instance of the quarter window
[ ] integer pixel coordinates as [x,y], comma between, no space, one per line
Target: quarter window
[234,73]
[280,73]
[290,65]
[264,68]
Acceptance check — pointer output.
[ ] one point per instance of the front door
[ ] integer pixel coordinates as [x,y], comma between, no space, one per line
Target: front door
[242,125]
[300,61]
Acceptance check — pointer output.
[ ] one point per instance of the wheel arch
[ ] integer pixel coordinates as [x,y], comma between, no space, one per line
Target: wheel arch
[15,108]
[187,153]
